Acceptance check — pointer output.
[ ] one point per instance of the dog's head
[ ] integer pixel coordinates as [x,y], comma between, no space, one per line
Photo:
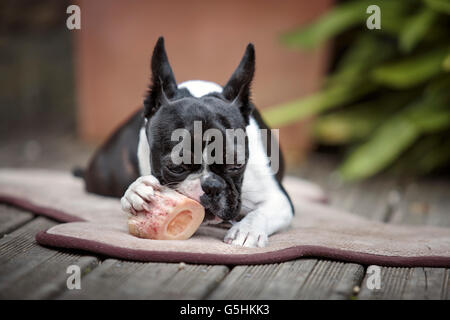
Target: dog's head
[198,142]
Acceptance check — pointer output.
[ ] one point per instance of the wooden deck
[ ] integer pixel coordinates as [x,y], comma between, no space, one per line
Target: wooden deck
[29,271]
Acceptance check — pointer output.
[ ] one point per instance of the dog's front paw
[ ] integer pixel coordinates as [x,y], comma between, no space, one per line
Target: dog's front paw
[139,193]
[246,235]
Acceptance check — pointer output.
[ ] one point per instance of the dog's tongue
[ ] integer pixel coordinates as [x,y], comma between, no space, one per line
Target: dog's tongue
[215,220]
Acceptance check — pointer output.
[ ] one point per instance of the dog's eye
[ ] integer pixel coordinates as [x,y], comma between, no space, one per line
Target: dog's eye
[177,169]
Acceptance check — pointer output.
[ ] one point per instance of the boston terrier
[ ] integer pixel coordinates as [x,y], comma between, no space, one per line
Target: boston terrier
[138,157]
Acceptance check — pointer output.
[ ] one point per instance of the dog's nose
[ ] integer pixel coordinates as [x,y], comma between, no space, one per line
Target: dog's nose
[212,187]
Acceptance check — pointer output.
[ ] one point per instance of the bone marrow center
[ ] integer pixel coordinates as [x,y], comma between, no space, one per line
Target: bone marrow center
[179,223]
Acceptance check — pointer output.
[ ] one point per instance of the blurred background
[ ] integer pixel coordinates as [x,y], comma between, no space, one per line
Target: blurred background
[374,100]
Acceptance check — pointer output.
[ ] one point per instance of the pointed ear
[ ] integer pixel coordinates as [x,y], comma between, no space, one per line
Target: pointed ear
[237,88]
[163,80]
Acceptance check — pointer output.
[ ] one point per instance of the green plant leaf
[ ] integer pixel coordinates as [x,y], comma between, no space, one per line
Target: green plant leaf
[328,25]
[439,5]
[433,114]
[434,159]
[409,56]
[411,71]
[415,29]
[357,122]
[395,135]
[367,51]
[427,155]
[342,18]
[387,143]
[290,112]
[446,63]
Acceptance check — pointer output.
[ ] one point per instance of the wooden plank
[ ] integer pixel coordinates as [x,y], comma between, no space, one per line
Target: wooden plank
[115,279]
[21,245]
[311,278]
[47,279]
[423,203]
[409,284]
[370,198]
[11,218]
[28,270]
[300,279]
[373,199]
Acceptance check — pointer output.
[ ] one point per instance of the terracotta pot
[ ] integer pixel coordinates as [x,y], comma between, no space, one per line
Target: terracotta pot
[204,40]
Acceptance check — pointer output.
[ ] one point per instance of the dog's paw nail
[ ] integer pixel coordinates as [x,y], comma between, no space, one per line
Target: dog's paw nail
[245,236]
[136,201]
[126,206]
[146,192]
[147,207]
[149,181]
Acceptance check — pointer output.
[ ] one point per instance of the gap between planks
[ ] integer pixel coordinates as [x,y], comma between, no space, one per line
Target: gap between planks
[313,278]
[12,218]
[115,279]
[424,202]
[30,271]
[310,278]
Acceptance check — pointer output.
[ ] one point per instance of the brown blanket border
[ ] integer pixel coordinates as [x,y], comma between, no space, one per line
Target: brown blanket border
[43,211]
[283,255]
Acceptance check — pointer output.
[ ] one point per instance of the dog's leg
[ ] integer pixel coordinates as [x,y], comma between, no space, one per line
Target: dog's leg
[269,216]
[139,193]
[271,210]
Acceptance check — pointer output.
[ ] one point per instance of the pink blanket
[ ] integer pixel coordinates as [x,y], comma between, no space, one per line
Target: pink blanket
[96,224]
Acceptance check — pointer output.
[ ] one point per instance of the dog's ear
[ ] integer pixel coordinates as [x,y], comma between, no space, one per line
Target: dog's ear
[237,88]
[164,85]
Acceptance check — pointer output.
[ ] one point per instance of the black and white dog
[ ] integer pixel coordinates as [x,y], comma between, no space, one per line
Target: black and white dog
[136,159]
